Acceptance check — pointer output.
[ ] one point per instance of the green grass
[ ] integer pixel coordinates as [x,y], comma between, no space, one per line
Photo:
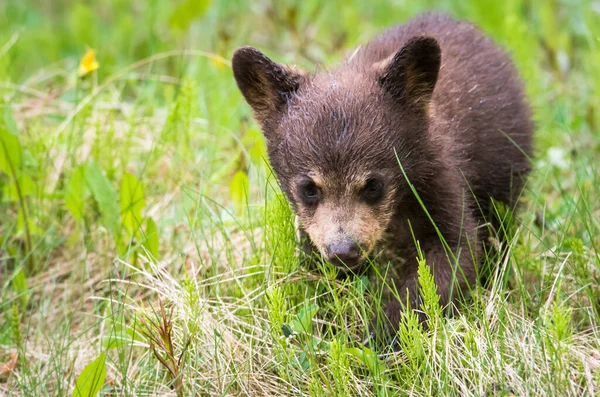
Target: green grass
[141,229]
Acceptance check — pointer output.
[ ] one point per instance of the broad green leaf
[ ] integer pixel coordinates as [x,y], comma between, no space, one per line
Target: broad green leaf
[105,196]
[11,152]
[303,322]
[151,238]
[367,357]
[186,12]
[19,284]
[92,378]
[132,203]
[76,193]
[238,189]
[26,187]
[9,121]
[303,361]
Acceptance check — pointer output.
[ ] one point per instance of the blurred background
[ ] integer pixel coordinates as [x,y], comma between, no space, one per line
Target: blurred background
[43,41]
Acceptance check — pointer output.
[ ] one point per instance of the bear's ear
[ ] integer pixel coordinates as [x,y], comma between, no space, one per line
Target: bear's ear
[411,74]
[265,84]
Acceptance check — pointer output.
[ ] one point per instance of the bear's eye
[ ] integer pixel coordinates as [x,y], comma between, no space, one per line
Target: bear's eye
[372,192]
[309,192]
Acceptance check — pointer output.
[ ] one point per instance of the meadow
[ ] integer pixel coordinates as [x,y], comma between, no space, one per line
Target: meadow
[146,250]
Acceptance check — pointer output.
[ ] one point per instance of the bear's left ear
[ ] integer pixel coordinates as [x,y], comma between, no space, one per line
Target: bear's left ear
[411,74]
[265,84]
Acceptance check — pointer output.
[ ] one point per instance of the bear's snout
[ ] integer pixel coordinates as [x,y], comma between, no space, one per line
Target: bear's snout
[344,254]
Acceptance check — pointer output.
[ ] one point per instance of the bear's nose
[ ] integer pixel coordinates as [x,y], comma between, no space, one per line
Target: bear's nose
[344,254]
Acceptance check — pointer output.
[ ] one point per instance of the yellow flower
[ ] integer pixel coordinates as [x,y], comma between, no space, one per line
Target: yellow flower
[88,63]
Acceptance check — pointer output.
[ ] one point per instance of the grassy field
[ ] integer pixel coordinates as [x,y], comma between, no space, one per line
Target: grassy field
[145,248]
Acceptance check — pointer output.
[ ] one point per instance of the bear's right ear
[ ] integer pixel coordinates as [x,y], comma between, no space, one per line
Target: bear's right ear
[412,73]
[265,84]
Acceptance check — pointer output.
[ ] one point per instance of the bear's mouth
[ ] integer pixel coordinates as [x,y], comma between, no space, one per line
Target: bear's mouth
[353,266]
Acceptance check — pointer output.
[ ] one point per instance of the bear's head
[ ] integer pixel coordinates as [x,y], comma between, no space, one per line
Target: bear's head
[345,143]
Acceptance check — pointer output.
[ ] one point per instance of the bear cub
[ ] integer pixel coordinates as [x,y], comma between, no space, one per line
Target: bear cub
[408,139]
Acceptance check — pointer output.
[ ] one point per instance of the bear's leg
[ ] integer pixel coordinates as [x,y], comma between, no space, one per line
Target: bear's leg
[454,273]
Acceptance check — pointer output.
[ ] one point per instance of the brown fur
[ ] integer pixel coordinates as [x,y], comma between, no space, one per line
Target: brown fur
[436,93]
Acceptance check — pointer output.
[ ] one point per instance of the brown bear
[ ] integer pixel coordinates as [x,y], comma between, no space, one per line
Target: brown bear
[409,139]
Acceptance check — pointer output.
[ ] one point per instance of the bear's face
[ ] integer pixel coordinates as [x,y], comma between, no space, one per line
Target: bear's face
[333,150]
[344,143]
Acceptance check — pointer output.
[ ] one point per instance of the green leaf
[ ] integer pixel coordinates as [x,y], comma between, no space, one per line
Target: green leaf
[186,12]
[26,186]
[302,361]
[238,189]
[105,196]
[303,322]
[367,357]
[19,284]
[11,152]
[151,240]
[132,203]
[287,331]
[9,121]
[76,193]
[92,378]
